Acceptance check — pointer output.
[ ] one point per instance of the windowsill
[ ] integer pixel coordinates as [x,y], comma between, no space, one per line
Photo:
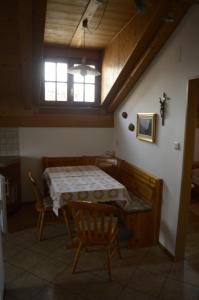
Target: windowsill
[66,105]
[60,107]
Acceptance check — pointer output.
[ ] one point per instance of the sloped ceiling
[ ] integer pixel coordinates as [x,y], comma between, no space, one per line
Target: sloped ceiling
[106,18]
[130,40]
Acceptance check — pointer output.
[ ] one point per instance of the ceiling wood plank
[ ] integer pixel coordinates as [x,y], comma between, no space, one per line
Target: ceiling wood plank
[88,14]
[64,18]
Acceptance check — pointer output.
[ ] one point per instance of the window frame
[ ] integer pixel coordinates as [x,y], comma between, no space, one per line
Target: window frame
[70,102]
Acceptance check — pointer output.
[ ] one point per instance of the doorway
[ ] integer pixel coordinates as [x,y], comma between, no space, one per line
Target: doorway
[191,124]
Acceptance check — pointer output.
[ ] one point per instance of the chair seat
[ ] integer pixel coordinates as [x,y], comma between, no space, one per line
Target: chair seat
[48,202]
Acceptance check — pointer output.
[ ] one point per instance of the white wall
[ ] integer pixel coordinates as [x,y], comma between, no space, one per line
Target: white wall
[37,142]
[196,149]
[177,62]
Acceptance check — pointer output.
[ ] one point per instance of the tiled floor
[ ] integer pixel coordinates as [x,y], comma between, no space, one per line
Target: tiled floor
[42,270]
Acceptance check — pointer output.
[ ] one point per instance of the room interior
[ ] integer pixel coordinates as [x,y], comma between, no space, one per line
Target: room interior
[146,52]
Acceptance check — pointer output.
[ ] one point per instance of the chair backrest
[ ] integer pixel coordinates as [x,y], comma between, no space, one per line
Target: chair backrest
[37,192]
[96,224]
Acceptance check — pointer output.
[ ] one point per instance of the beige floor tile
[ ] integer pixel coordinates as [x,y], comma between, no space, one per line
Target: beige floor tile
[129,294]
[48,269]
[53,293]
[9,241]
[131,257]
[10,250]
[26,286]
[48,246]
[74,282]
[63,254]
[173,290]
[156,264]
[99,289]
[91,261]
[26,259]
[120,274]
[157,251]
[146,282]
[8,296]
[12,272]
[185,272]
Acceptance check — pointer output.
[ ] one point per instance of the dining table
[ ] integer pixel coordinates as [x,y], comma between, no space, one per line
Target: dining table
[83,183]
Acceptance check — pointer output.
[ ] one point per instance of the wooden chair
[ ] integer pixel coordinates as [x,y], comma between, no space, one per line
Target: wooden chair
[44,205]
[96,225]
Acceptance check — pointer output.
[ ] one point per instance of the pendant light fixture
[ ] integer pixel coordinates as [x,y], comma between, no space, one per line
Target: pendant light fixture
[83,69]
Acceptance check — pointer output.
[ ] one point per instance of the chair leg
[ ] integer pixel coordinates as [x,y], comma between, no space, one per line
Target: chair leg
[77,255]
[118,249]
[39,220]
[67,223]
[41,225]
[108,253]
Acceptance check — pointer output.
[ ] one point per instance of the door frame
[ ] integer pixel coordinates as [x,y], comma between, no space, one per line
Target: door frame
[189,139]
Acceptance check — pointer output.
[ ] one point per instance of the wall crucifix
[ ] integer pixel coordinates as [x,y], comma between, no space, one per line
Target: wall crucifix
[163,106]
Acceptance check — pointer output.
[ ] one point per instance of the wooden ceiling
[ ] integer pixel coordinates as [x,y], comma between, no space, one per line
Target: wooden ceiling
[105,19]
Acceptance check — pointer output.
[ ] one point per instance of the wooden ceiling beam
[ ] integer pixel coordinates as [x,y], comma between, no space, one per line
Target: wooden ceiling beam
[89,12]
[59,120]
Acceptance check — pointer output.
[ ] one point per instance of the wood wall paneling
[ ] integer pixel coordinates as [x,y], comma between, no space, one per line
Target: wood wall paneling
[64,52]
[128,47]
[39,13]
[15,56]
[122,67]
[57,120]
[25,34]
[165,31]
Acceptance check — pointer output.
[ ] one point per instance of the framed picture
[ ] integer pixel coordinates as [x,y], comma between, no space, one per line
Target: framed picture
[146,127]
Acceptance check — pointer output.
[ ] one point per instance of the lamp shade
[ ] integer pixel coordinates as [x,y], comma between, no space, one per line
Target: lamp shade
[83,70]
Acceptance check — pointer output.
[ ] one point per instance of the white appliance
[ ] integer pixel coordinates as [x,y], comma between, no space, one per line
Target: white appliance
[3,212]
[1,269]
[3,229]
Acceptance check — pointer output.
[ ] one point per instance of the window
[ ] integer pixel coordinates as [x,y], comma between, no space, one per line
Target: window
[56,81]
[84,87]
[59,86]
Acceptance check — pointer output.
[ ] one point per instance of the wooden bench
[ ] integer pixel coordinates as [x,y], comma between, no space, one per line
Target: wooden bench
[147,187]
[143,185]
[195,178]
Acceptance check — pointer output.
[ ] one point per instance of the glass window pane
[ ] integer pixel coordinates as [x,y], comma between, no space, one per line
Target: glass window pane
[78,92]
[50,69]
[78,77]
[62,72]
[50,91]
[89,93]
[61,91]
[90,78]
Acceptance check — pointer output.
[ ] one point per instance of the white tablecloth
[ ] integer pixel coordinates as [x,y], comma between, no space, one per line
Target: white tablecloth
[86,183]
